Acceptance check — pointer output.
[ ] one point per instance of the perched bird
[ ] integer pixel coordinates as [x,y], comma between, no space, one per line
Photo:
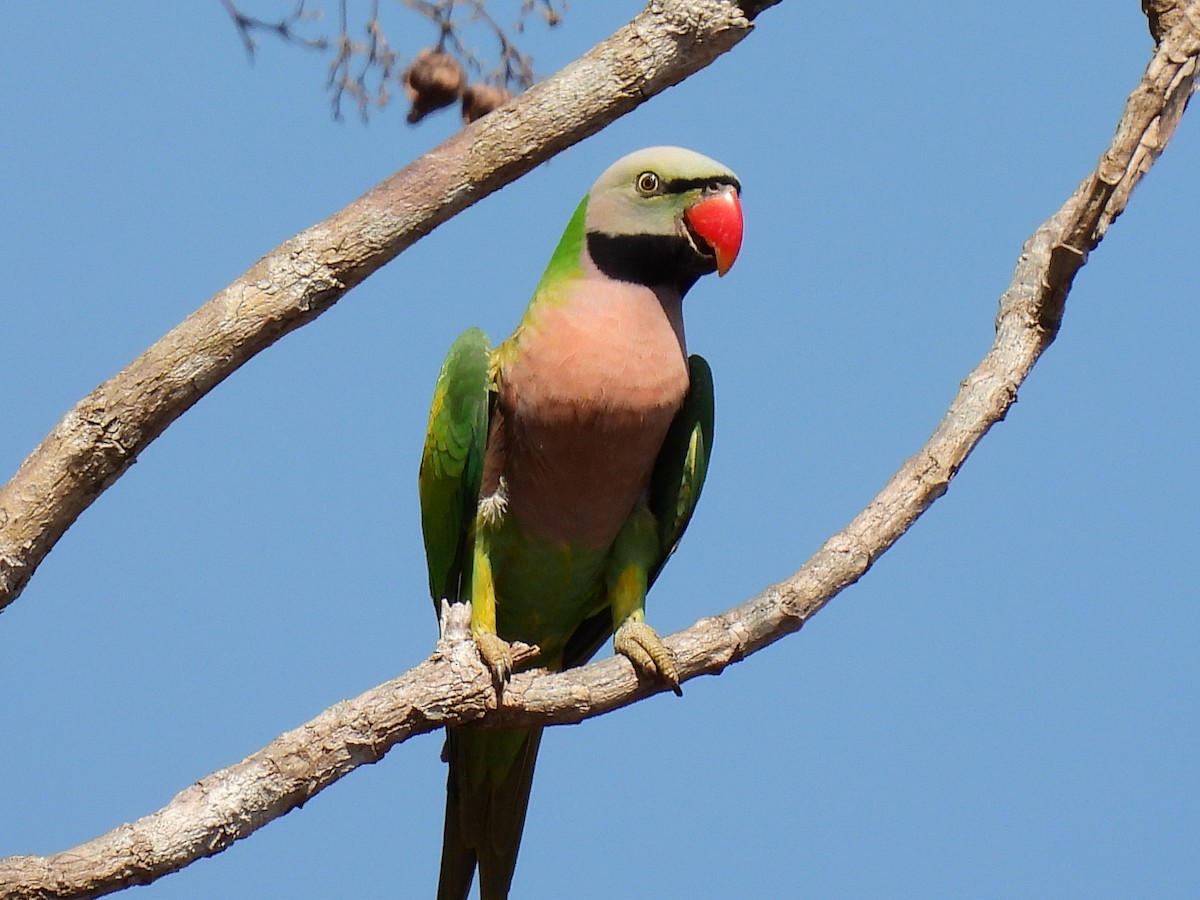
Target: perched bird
[561,468]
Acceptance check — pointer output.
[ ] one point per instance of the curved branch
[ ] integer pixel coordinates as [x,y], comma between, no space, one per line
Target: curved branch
[452,687]
[97,441]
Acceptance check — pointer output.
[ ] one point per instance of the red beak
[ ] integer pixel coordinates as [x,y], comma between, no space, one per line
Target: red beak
[718,222]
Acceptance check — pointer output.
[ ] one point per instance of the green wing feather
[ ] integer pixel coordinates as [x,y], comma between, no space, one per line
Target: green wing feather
[452,464]
[490,772]
[682,463]
[675,488]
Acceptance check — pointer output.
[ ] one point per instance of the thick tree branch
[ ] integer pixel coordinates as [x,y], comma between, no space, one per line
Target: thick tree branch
[452,687]
[101,437]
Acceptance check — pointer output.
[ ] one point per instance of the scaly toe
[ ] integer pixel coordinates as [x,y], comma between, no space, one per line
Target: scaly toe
[641,645]
[497,655]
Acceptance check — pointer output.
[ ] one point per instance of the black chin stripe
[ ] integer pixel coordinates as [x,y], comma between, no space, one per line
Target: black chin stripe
[649,259]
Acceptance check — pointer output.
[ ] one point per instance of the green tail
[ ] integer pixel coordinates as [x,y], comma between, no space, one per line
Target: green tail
[487,796]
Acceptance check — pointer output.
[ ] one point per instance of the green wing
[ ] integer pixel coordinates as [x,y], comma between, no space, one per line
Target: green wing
[452,464]
[682,463]
[675,487]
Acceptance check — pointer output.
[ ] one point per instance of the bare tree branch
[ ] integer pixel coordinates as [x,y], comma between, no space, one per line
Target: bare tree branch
[285,28]
[452,687]
[363,68]
[93,445]
[375,57]
[235,802]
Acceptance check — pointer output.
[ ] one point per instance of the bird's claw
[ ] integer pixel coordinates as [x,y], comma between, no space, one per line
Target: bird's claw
[641,645]
[497,655]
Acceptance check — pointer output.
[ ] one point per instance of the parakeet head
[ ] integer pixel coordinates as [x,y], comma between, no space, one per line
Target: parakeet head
[664,215]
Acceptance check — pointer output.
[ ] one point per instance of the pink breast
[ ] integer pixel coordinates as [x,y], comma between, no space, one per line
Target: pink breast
[587,403]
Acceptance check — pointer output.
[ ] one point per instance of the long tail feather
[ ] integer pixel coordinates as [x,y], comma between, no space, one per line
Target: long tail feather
[487,798]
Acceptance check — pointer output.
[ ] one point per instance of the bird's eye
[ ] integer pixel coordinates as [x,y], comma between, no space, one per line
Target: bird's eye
[648,183]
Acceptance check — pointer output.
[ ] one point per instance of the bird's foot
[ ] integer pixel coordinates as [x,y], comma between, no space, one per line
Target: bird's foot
[641,645]
[497,655]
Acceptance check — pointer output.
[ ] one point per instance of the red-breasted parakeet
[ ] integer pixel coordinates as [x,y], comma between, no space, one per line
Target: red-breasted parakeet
[561,467]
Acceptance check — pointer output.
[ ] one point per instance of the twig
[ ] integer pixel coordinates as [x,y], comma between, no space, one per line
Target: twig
[284,29]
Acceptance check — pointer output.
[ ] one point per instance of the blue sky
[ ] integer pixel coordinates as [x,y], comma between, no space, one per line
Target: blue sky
[1004,706]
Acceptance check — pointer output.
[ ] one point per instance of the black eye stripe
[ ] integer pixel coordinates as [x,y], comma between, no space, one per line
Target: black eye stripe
[680,185]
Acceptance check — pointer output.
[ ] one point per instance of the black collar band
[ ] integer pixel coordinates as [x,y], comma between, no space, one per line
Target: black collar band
[649,259]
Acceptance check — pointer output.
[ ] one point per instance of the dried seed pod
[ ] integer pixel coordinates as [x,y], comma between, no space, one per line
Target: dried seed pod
[480,99]
[433,81]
